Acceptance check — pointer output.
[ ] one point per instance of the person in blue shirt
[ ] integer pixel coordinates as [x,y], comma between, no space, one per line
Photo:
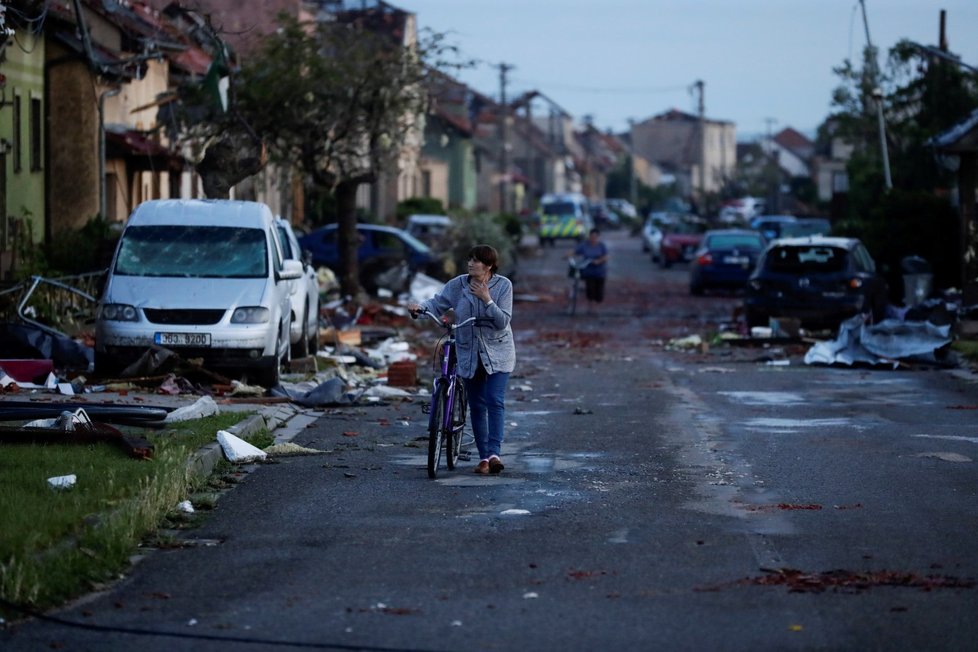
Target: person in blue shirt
[594,275]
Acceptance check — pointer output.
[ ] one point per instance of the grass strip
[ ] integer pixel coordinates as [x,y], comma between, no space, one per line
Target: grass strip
[55,545]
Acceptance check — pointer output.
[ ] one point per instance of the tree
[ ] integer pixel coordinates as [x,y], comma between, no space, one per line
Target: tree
[336,102]
[921,97]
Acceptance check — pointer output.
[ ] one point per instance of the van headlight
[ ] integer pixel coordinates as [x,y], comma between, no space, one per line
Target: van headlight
[250,315]
[119,312]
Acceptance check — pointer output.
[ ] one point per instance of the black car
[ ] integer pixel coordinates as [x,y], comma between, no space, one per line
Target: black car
[819,280]
[725,259]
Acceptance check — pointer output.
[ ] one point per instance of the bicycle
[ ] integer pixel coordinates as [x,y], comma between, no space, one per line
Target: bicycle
[575,265]
[447,409]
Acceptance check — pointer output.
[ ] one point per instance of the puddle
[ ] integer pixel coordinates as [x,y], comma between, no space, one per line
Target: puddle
[765,398]
[771,424]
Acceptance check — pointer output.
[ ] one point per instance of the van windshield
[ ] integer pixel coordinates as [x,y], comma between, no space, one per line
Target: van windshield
[559,208]
[193,252]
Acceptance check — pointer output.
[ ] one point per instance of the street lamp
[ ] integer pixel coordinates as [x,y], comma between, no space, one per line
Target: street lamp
[632,182]
[103,191]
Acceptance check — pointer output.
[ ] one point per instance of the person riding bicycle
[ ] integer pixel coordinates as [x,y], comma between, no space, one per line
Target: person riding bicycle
[594,274]
[486,351]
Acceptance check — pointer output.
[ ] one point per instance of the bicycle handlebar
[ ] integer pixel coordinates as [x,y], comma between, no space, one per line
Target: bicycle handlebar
[440,322]
[578,262]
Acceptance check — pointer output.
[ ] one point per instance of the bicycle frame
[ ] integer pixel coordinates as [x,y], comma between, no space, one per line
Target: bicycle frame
[447,408]
[576,264]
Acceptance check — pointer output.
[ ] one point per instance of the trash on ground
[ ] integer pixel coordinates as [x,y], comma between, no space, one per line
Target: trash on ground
[685,343]
[288,448]
[237,450]
[884,343]
[185,506]
[205,406]
[75,427]
[63,482]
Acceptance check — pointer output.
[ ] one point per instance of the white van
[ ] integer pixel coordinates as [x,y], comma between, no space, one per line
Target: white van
[205,278]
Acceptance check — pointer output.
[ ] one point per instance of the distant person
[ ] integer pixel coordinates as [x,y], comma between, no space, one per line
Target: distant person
[486,350]
[596,253]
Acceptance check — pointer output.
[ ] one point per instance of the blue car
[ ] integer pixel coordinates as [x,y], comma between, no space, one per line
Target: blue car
[725,259]
[382,248]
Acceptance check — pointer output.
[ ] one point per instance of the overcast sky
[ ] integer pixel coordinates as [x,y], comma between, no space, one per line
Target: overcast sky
[764,62]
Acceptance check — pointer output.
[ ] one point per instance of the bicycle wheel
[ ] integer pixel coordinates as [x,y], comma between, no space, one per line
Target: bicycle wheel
[457,425]
[435,423]
[572,303]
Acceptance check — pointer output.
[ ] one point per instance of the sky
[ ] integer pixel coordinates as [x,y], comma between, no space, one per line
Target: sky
[766,64]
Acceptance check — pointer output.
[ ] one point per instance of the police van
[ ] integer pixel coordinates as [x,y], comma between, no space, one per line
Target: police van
[564,215]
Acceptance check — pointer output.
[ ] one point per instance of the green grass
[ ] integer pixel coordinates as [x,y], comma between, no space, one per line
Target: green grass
[55,545]
[967,349]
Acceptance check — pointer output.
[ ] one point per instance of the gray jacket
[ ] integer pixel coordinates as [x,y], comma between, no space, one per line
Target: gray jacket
[490,338]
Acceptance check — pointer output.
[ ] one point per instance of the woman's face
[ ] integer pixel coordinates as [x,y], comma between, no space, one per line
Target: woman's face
[477,268]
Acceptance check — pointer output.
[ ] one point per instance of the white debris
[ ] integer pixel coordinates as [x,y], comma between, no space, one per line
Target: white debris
[205,406]
[63,482]
[515,512]
[288,448]
[386,391]
[945,456]
[456,623]
[237,450]
[185,506]
[531,595]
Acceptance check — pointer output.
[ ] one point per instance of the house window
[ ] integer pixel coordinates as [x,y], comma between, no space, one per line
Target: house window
[840,182]
[18,141]
[36,131]
[426,183]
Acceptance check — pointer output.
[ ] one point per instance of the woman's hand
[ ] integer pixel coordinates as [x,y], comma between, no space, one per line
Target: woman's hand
[480,288]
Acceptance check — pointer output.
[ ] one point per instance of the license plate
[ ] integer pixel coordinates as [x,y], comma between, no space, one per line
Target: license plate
[183,339]
[736,260]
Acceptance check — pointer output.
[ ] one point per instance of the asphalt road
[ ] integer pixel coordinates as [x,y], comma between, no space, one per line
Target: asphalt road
[652,499]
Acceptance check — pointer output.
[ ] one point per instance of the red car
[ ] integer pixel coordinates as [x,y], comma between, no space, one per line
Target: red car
[680,241]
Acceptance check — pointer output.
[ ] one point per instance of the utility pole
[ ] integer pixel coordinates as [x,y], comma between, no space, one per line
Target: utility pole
[504,140]
[772,170]
[878,97]
[632,181]
[701,140]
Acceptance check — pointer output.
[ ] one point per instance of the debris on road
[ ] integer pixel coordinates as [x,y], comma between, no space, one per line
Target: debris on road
[887,343]
[74,428]
[237,450]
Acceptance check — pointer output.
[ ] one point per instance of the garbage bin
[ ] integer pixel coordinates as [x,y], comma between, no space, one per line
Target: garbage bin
[917,279]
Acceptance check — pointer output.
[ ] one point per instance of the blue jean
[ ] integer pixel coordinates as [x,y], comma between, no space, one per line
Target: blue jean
[487,405]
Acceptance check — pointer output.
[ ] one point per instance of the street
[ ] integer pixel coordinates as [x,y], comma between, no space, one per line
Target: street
[652,499]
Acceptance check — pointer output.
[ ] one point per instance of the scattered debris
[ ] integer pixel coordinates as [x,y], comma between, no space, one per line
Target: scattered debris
[884,343]
[583,411]
[203,407]
[845,581]
[237,450]
[185,507]
[75,428]
[288,448]
[63,482]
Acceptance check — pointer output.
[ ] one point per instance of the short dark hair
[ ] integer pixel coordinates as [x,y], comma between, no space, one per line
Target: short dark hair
[594,231]
[485,255]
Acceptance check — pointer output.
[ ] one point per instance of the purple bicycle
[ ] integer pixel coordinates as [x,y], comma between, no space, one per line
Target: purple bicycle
[448,407]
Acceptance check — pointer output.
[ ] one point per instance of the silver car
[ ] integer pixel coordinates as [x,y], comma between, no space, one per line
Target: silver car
[205,278]
[305,294]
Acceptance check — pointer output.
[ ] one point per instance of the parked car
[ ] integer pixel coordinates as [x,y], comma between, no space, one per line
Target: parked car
[804,226]
[429,229]
[652,235]
[742,210]
[771,226]
[681,240]
[304,335]
[562,216]
[819,280]
[725,259]
[206,278]
[387,256]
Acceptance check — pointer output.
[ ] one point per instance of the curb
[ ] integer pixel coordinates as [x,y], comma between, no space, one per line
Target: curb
[285,418]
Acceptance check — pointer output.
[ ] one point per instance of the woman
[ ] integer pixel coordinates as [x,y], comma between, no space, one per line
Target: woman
[486,351]
[594,275]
